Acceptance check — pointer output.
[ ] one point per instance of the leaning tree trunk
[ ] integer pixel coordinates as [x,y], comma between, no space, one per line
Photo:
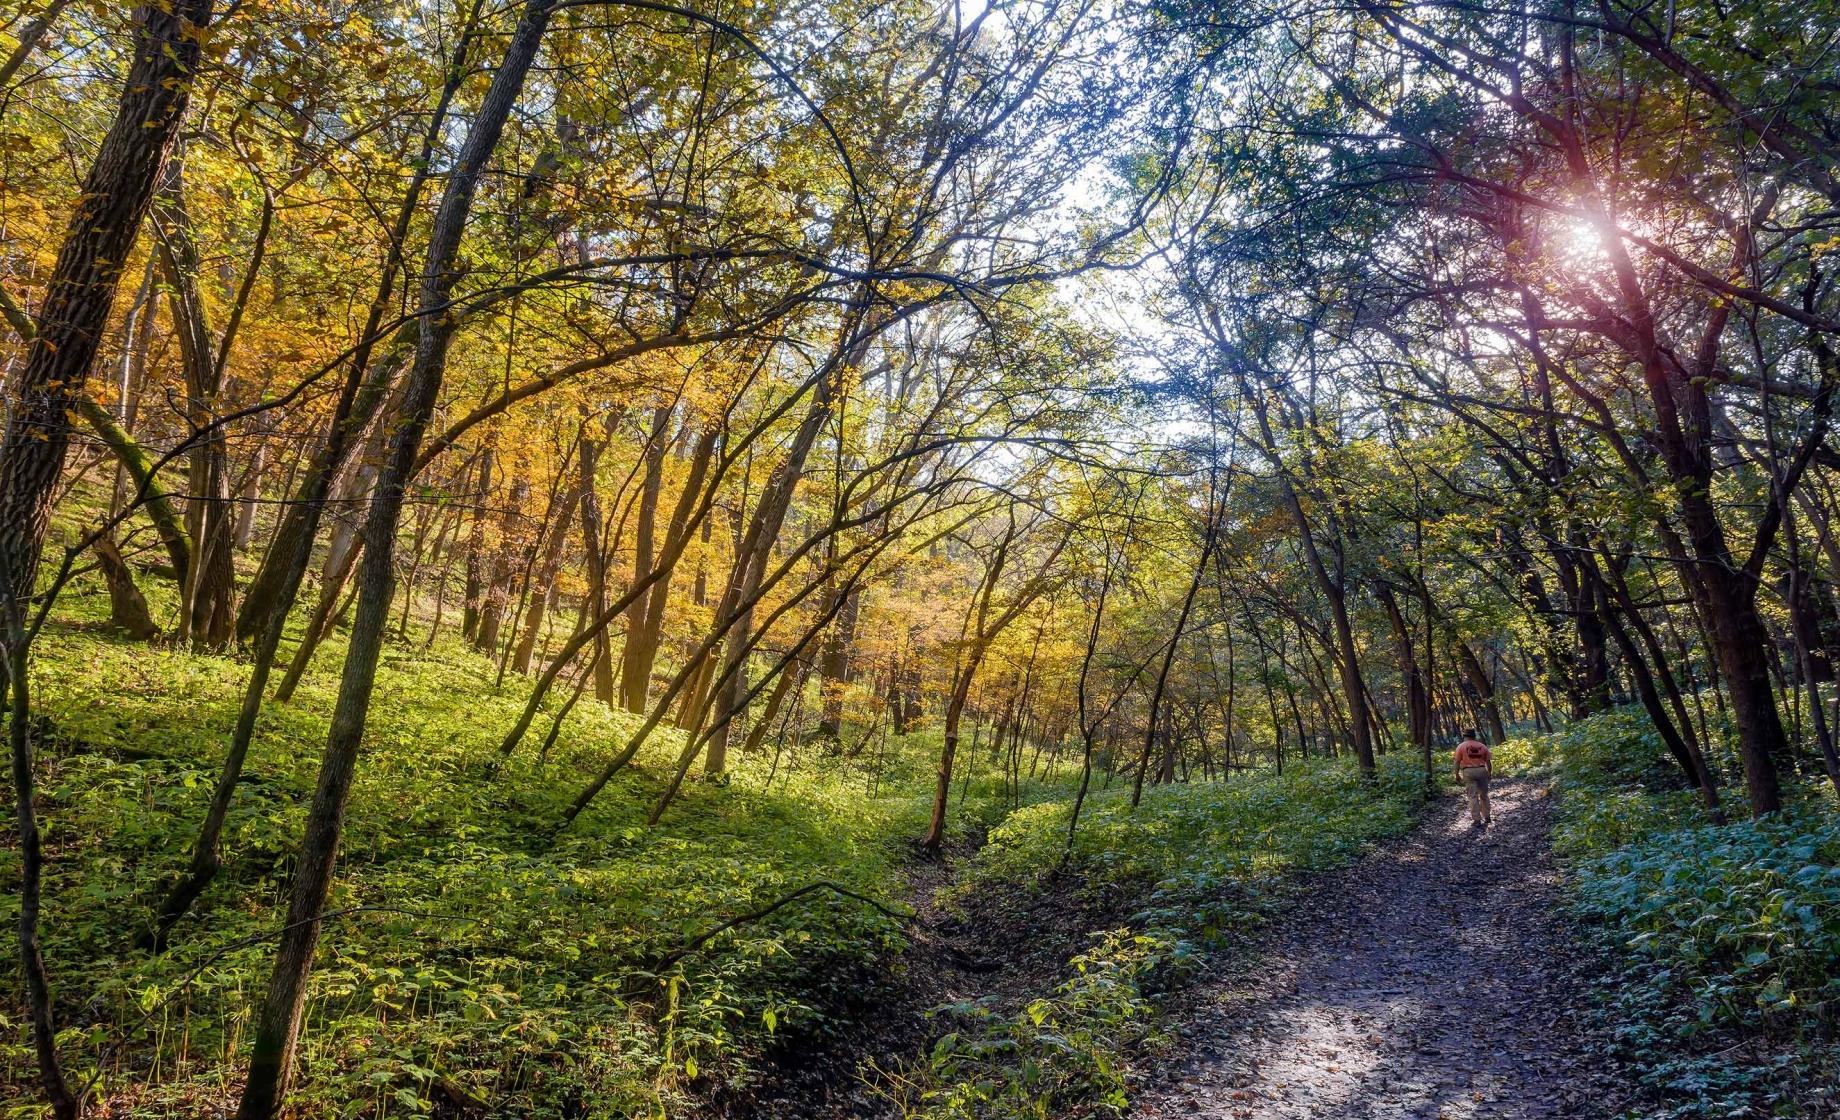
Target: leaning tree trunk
[750,565]
[789,679]
[1334,588]
[127,606]
[1418,697]
[729,702]
[271,592]
[935,837]
[1169,652]
[1484,689]
[271,596]
[341,556]
[116,194]
[278,1026]
[273,588]
[29,38]
[1724,588]
[981,635]
[1677,744]
[114,198]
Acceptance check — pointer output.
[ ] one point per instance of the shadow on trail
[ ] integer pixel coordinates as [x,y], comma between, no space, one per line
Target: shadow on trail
[1435,979]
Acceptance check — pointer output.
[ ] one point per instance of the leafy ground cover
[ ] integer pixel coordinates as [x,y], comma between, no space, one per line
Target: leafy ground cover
[473,951]
[1724,991]
[477,953]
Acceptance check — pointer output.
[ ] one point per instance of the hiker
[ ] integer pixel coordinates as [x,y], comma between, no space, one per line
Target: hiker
[1474,770]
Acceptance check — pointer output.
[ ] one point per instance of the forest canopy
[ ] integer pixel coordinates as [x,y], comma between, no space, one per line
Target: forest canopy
[459,456]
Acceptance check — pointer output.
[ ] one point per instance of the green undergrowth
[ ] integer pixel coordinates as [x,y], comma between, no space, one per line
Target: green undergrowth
[475,952]
[1192,865]
[1724,991]
[471,949]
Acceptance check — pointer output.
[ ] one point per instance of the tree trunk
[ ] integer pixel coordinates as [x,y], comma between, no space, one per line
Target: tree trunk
[834,667]
[1169,652]
[248,497]
[271,590]
[980,635]
[212,619]
[113,201]
[1689,758]
[543,583]
[40,1007]
[1740,643]
[1172,745]
[1483,689]
[1681,432]
[595,563]
[750,567]
[641,651]
[635,669]
[155,501]
[340,560]
[1809,619]
[1334,589]
[206,617]
[278,1025]
[955,710]
[29,38]
[789,679]
[1418,697]
[498,582]
[756,544]
[116,193]
[1591,687]
[1618,587]
[475,552]
[1809,638]
[127,607]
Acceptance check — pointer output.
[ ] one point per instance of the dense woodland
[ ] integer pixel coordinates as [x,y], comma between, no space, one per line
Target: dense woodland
[527,529]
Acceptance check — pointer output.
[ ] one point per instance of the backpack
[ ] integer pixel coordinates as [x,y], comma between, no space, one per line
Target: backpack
[1472,753]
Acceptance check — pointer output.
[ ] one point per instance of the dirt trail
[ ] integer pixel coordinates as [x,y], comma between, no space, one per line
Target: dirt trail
[1437,979]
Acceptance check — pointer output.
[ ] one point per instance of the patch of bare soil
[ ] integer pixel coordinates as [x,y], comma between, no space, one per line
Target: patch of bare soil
[1436,979]
[999,953]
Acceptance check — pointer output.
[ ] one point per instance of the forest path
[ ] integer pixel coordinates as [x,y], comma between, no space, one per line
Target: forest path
[1436,979]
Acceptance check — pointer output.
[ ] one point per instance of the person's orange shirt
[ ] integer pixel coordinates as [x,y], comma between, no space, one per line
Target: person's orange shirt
[1472,753]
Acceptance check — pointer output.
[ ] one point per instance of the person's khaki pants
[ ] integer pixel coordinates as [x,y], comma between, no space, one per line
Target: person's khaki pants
[1476,785]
